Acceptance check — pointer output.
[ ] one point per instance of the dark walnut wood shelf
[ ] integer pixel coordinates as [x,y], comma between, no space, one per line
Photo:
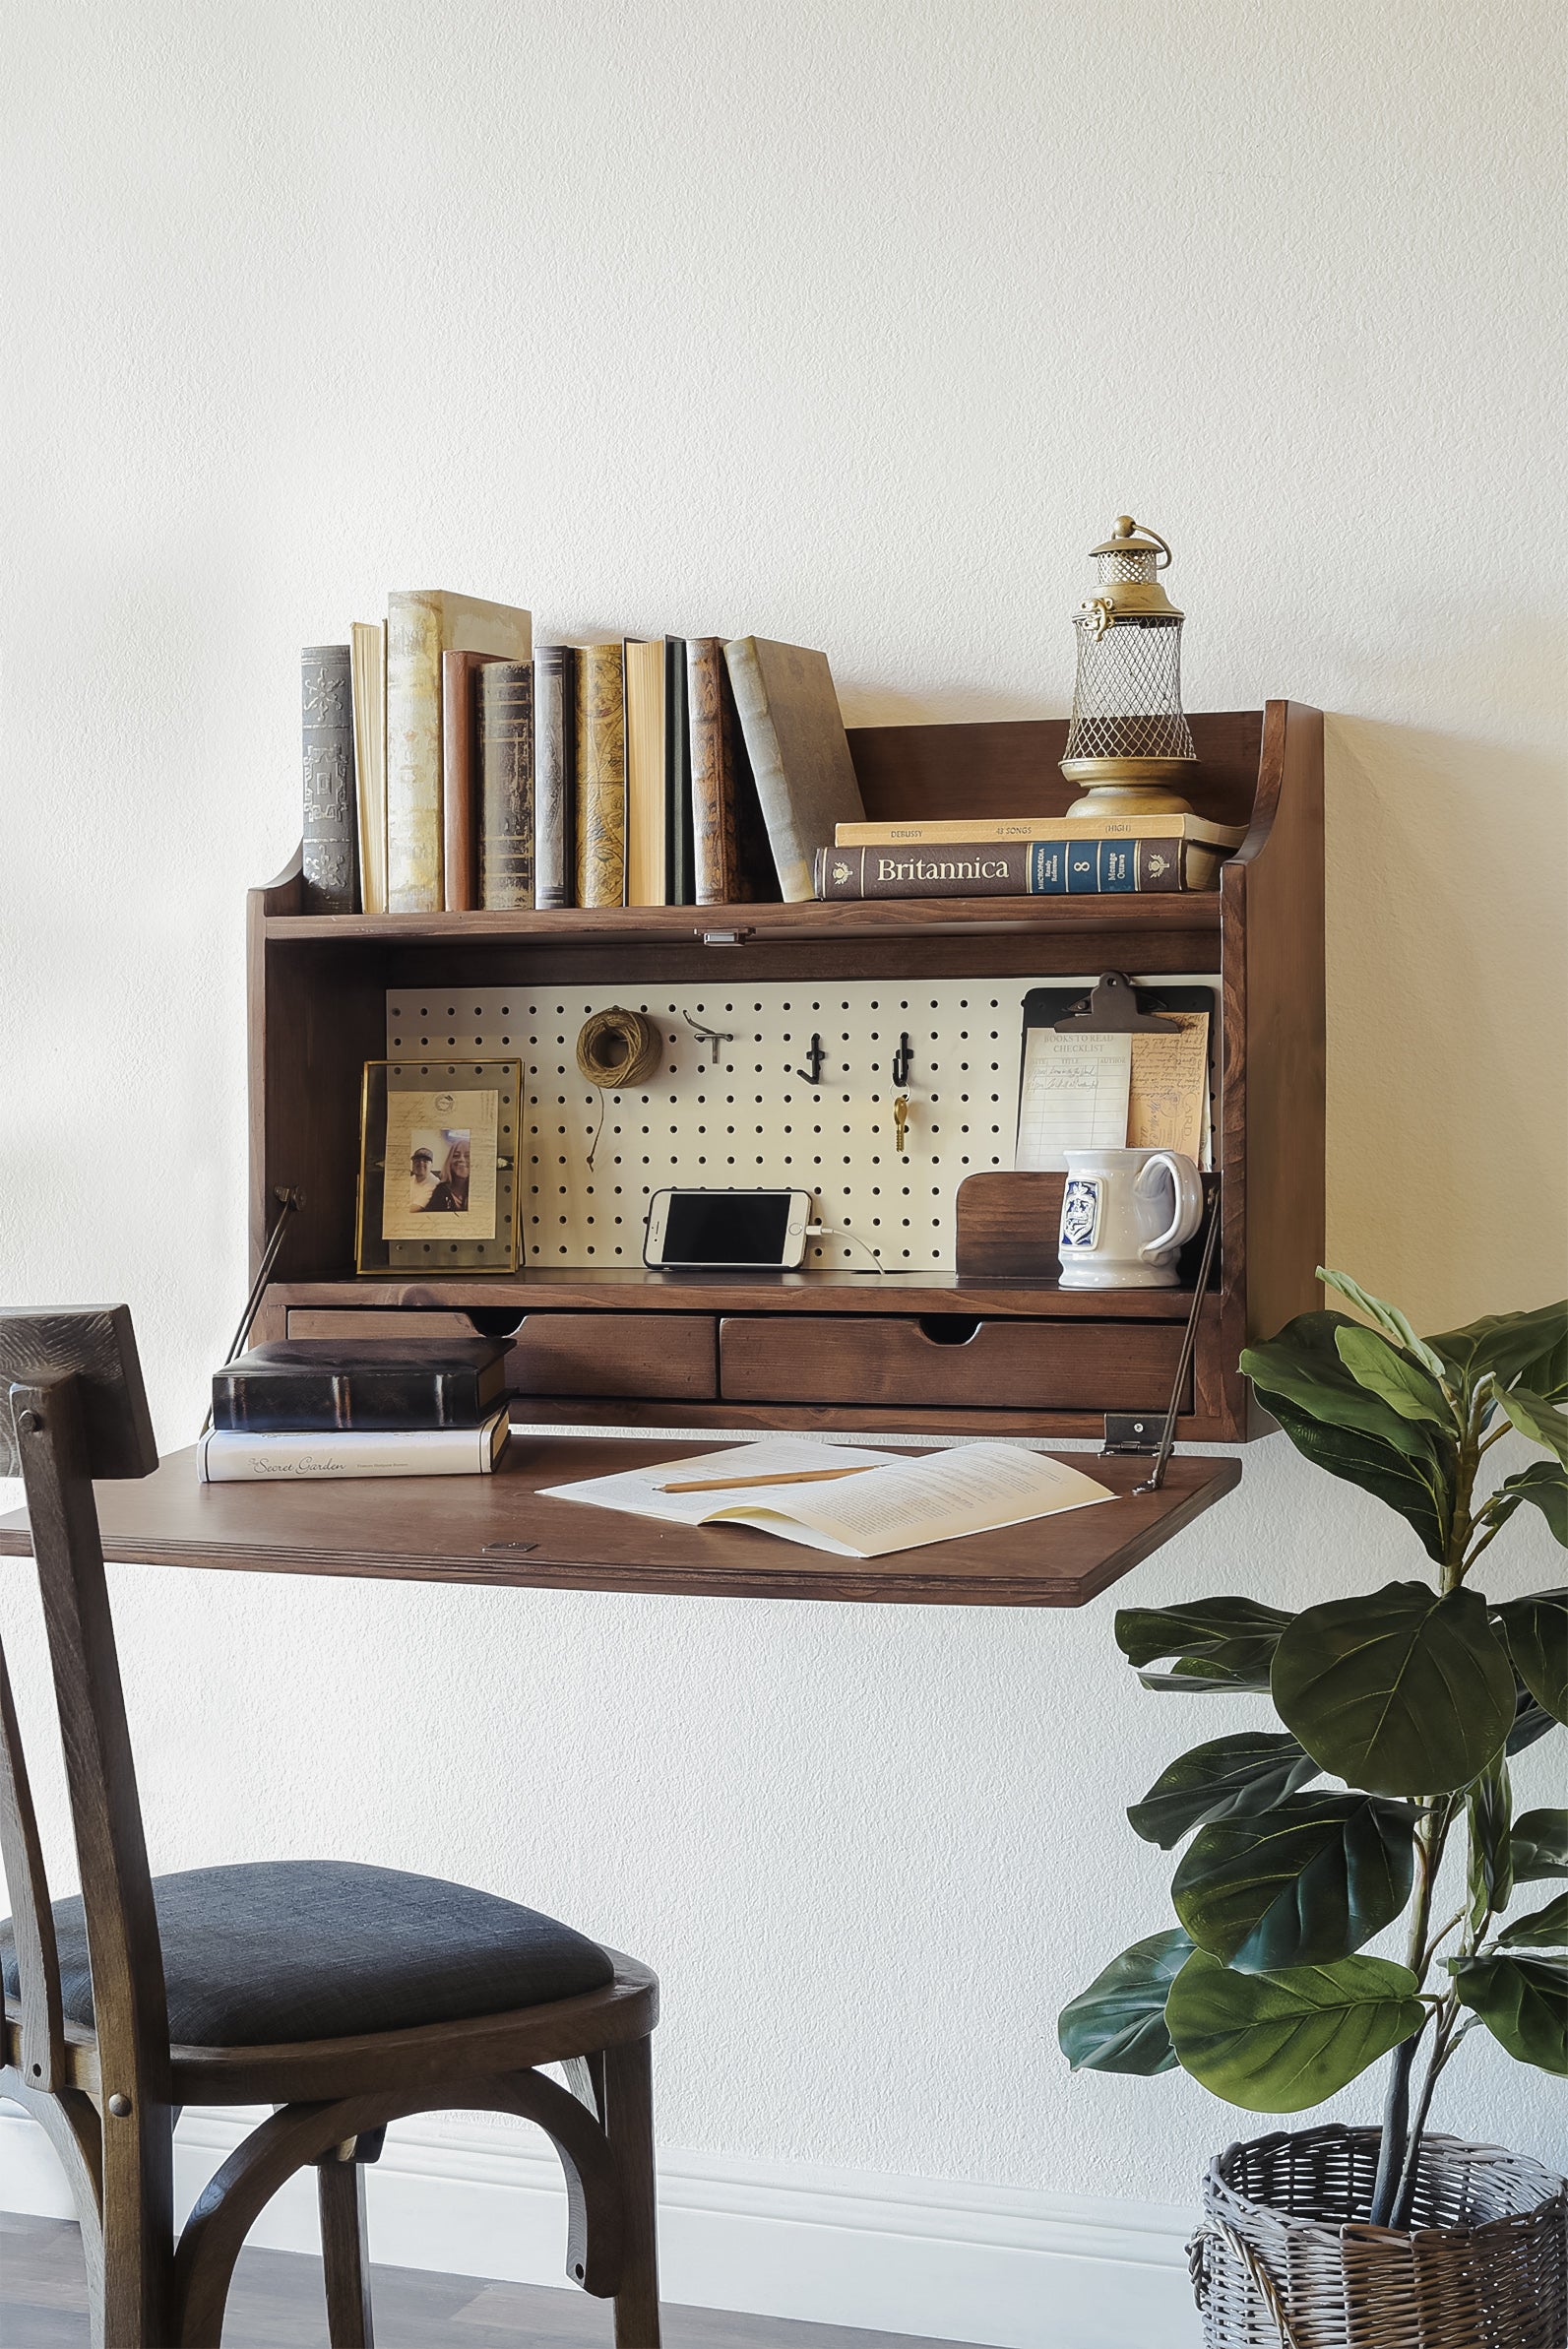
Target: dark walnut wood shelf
[499,1529]
[539,1288]
[1194,911]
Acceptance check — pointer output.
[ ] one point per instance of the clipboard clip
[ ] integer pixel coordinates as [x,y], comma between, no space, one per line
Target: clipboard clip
[1112,1009]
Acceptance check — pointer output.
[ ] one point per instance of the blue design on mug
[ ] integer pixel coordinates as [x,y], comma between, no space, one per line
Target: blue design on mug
[1079,1211]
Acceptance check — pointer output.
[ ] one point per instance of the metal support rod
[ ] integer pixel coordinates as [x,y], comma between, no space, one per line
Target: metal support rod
[1189,1339]
[268,1257]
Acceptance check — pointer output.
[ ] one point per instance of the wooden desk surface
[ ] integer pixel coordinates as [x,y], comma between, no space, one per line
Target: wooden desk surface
[498,1529]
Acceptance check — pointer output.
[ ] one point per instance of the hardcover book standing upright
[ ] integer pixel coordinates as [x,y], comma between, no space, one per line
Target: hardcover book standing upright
[506,785]
[600,776]
[460,778]
[421,625]
[332,812]
[798,750]
[555,786]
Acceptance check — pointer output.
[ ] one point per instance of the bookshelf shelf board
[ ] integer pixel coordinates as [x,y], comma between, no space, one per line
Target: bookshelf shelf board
[1194,910]
[499,1529]
[578,1291]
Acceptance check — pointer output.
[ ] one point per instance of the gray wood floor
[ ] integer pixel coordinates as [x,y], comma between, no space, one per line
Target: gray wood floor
[277,2303]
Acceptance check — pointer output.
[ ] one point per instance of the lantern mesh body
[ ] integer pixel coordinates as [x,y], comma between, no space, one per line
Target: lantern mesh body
[1127,697]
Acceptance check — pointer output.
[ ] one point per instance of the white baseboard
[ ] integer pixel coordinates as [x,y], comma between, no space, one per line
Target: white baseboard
[940,2259]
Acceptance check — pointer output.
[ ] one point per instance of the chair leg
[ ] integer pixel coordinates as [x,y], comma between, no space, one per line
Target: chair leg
[345,2250]
[629,2126]
[138,2234]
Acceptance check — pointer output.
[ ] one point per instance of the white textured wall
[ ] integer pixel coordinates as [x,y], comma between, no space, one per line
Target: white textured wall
[854,325]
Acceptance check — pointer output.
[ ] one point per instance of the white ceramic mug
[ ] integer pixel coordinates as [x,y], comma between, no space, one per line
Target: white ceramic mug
[1125,1216]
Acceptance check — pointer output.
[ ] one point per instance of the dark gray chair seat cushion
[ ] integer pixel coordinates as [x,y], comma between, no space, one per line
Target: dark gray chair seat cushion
[284,1949]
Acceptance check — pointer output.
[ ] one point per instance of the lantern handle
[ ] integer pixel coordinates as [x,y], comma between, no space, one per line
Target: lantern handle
[1158,539]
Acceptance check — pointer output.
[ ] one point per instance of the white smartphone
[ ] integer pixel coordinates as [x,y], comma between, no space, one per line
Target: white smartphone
[756,1230]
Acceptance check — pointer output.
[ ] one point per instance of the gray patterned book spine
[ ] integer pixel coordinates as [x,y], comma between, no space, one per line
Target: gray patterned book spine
[554,785]
[327,734]
[506,785]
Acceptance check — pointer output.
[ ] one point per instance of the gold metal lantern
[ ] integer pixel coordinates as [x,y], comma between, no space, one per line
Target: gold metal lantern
[1129,741]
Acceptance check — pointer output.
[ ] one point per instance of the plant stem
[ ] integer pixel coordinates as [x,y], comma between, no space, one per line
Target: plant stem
[1395,2126]
[1442,2048]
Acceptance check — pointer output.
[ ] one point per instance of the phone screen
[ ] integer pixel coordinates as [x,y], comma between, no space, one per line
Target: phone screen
[725,1228]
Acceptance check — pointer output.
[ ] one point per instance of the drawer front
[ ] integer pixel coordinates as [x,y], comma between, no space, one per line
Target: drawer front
[944,1358]
[649,1355]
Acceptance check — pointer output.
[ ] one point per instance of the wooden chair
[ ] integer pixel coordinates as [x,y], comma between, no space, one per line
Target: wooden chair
[346,1997]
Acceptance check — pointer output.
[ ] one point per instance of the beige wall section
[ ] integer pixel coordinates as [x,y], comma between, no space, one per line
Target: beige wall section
[854,323]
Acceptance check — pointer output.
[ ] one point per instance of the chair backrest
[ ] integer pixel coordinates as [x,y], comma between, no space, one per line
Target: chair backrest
[72,1408]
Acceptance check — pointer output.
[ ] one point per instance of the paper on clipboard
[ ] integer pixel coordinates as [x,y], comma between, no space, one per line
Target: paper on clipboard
[1074,1096]
[1168,1101]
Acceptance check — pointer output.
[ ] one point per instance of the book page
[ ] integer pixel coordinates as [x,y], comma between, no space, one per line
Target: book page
[901,1501]
[1168,1101]
[635,1490]
[937,1497]
[1074,1096]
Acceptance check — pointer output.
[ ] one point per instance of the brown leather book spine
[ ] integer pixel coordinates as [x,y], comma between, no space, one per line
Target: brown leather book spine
[331,802]
[506,785]
[713,773]
[460,778]
[600,776]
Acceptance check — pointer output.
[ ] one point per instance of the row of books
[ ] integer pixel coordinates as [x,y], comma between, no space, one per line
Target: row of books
[449,765]
[1024,855]
[306,1408]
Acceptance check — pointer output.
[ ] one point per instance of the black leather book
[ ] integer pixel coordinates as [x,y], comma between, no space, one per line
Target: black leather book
[305,1384]
[331,808]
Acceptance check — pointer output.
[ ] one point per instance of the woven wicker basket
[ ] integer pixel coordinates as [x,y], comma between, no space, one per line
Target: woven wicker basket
[1285,2258]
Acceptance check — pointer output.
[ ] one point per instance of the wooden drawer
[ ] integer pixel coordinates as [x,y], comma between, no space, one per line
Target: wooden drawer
[947,1359]
[649,1355]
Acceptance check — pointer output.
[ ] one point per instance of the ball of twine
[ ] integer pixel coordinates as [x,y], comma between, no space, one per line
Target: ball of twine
[618,1049]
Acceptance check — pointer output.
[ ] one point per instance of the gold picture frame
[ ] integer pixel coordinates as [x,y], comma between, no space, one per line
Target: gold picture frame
[439,1192]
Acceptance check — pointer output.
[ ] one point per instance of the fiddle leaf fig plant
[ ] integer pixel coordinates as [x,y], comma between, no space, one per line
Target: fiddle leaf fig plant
[1383,1793]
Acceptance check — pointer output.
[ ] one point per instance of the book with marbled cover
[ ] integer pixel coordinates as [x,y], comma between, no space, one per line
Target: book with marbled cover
[554,783]
[600,775]
[331,802]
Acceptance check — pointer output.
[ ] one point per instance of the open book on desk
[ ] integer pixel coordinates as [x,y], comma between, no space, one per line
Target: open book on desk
[900,1500]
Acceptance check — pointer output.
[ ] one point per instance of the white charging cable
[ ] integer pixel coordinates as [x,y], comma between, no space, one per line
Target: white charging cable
[832,1232]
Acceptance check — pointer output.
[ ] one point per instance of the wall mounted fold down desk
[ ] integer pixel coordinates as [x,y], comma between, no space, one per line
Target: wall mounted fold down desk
[501,1529]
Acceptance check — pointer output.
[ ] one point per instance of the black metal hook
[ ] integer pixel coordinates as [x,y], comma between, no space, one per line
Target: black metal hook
[812,1076]
[901,1062]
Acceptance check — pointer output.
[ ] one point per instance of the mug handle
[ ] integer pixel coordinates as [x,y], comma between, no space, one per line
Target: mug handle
[1188,1185]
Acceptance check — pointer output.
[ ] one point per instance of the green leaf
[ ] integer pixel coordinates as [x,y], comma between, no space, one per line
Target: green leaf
[1531,1724]
[1118,2024]
[1418,1490]
[1491,1854]
[1522,2000]
[1309,1881]
[1229,1641]
[1402,1692]
[1543,1929]
[1546,1484]
[1536,1417]
[1386,1318]
[1278,2043]
[1304,1364]
[1541,1845]
[1229,1778]
[1509,1344]
[1383,1371]
[1536,1631]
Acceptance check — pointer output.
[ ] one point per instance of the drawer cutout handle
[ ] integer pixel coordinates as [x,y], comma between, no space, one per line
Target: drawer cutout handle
[948,1329]
[495,1321]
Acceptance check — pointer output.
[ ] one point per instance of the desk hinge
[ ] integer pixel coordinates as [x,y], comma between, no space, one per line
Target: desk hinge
[1133,1431]
[725,937]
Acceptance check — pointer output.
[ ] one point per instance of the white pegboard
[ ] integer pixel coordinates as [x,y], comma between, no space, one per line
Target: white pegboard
[753,1118]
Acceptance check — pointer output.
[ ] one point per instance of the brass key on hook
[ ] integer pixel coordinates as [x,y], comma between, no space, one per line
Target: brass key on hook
[901,1121]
